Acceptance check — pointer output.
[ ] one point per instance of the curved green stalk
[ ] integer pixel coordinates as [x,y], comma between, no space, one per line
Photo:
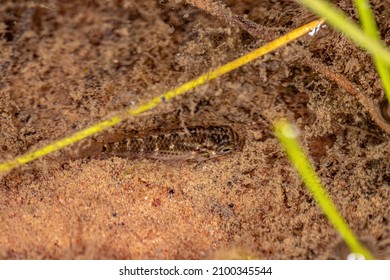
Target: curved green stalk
[369,26]
[338,20]
[287,135]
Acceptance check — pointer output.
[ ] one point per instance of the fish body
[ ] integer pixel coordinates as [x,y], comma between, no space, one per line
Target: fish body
[195,142]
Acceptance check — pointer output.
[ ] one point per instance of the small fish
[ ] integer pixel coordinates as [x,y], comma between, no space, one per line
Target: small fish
[197,142]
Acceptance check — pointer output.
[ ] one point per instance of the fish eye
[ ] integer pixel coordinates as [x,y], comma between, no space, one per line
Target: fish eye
[225,149]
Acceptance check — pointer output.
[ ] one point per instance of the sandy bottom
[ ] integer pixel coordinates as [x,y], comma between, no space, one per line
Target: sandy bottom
[68,64]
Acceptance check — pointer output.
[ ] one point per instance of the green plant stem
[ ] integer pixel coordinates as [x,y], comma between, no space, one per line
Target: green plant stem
[369,26]
[338,20]
[287,135]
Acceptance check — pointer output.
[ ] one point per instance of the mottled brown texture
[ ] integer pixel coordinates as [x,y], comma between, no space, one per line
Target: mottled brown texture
[68,64]
[194,142]
[258,31]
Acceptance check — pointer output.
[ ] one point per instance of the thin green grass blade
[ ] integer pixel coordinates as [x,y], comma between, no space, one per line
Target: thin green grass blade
[338,20]
[370,28]
[287,135]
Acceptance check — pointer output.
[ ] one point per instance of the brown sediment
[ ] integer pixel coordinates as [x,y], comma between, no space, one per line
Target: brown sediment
[69,64]
[220,11]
